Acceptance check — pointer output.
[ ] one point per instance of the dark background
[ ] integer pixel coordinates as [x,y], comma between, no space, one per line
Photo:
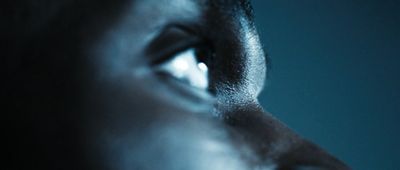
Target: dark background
[335,75]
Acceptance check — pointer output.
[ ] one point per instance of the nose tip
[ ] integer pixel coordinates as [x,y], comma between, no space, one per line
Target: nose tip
[273,141]
[310,157]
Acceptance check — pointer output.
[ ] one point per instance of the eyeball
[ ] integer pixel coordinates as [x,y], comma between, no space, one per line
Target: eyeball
[187,67]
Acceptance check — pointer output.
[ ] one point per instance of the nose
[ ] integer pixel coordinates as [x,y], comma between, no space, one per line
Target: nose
[274,142]
[237,81]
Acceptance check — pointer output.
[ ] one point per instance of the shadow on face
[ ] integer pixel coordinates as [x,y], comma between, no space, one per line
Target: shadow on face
[155,84]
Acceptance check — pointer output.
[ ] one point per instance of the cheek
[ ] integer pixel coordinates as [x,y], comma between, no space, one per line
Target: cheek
[129,127]
[183,143]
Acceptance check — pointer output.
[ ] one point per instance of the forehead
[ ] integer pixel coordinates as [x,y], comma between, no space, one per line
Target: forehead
[143,20]
[148,11]
[32,16]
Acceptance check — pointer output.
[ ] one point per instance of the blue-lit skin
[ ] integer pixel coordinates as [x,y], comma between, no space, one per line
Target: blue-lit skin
[87,92]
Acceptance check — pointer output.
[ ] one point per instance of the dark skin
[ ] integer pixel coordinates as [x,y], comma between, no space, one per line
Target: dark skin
[85,90]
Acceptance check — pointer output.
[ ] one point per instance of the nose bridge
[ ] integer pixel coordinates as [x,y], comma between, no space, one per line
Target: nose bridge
[240,67]
[254,56]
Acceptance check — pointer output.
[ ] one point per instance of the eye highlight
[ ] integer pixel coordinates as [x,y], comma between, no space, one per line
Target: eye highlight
[188,66]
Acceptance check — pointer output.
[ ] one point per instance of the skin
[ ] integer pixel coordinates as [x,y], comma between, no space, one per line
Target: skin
[84,94]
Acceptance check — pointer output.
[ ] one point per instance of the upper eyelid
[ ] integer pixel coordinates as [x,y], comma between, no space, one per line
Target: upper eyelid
[174,49]
[191,28]
[171,40]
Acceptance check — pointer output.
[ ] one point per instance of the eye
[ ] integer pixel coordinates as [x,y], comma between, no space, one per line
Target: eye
[190,66]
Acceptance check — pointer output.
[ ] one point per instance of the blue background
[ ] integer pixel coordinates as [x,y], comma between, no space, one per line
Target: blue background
[335,75]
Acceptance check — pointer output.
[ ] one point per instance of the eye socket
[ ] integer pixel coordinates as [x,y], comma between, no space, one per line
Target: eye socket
[190,66]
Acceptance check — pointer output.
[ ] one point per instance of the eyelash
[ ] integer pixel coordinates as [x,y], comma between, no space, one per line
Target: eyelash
[168,55]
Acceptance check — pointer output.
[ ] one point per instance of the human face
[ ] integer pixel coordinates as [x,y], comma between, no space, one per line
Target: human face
[136,82]
[162,84]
